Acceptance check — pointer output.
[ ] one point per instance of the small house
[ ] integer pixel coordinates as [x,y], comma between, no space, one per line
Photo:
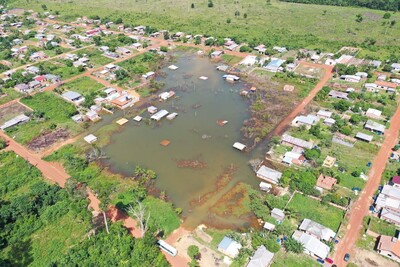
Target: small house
[78,118]
[387,86]
[351,78]
[338,95]
[277,214]
[326,182]
[329,121]
[317,230]
[166,95]
[148,75]
[15,121]
[389,246]
[261,258]
[274,65]
[216,54]
[90,139]
[395,67]
[364,137]
[296,142]
[269,175]
[307,121]
[159,115]
[329,162]
[239,146]
[395,182]
[323,114]
[229,247]
[22,87]
[73,97]
[152,109]
[373,113]
[374,127]
[312,245]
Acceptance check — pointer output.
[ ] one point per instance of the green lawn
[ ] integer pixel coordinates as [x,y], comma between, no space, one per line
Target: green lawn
[305,207]
[83,85]
[56,112]
[276,22]
[11,94]
[381,227]
[282,259]
[58,67]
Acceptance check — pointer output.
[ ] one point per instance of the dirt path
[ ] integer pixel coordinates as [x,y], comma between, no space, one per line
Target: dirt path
[361,206]
[286,121]
[179,260]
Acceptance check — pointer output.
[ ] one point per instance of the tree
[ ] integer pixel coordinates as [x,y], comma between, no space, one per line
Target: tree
[164,49]
[141,215]
[292,245]
[193,252]
[228,20]
[192,5]
[359,18]
[387,15]
[210,3]
[342,105]
[245,15]
[312,154]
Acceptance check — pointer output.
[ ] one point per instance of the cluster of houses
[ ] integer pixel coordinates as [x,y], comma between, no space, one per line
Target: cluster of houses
[387,205]
[38,81]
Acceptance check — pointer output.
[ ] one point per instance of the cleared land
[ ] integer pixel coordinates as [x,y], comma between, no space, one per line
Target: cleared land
[83,85]
[276,22]
[322,213]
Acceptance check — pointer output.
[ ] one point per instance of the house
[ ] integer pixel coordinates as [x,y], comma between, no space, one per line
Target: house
[110,91]
[148,75]
[261,258]
[269,175]
[326,182]
[159,115]
[122,50]
[323,114]
[395,67]
[312,245]
[373,113]
[277,214]
[15,121]
[229,247]
[78,118]
[329,162]
[389,246]
[296,142]
[391,216]
[41,79]
[265,186]
[375,63]
[52,78]
[90,138]
[249,60]
[307,121]
[351,78]
[92,115]
[111,67]
[152,109]
[395,182]
[239,146]
[362,74]
[364,137]
[371,87]
[260,49]
[216,54]
[317,230]
[34,84]
[126,100]
[33,69]
[274,65]
[269,226]
[73,97]
[338,95]
[280,49]
[374,127]
[166,95]
[384,85]
[22,87]
[329,121]
[293,158]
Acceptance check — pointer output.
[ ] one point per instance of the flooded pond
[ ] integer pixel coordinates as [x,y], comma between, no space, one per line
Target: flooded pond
[194,135]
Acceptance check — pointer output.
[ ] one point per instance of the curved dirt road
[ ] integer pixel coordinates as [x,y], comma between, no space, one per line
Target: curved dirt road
[300,107]
[361,206]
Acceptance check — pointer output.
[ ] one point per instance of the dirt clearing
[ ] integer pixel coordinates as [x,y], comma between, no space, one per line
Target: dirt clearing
[11,111]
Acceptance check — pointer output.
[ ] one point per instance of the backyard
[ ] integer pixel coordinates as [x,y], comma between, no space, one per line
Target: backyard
[322,213]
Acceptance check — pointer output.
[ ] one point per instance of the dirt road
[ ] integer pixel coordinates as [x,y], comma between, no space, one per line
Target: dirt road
[286,121]
[361,206]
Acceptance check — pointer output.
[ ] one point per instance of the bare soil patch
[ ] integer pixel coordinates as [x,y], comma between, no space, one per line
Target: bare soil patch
[11,111]
[47,139]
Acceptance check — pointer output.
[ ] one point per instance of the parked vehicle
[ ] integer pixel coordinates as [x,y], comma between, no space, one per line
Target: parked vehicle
[347,257]
[329,260]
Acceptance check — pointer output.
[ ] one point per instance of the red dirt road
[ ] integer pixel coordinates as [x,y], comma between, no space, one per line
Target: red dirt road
[361,207]
[286,121]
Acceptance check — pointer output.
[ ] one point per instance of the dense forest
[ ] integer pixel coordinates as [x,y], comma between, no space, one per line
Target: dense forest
[392,5]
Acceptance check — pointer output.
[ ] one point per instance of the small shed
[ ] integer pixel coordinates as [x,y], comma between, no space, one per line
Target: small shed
[269,226]
[137,118]
[122,121]
[364,137]
[277,214]
[90,139]
[239,146]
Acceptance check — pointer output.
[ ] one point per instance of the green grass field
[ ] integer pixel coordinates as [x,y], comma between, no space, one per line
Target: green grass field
[282,259]
[277,23]
[56,112]
[95,56]
[83,85]
[322,213]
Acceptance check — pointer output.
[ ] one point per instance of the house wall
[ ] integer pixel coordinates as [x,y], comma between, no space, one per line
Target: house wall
[389,255]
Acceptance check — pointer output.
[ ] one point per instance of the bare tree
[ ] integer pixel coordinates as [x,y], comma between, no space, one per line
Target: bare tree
[141,215]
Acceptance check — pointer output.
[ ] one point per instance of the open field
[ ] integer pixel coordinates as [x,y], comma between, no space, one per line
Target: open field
[290,259]
[95,56]
[9,94]
[83,85]
[278,23]
[322,213]
[50,112]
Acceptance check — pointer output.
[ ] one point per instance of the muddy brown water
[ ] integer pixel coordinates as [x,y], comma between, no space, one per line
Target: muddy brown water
[194,134]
